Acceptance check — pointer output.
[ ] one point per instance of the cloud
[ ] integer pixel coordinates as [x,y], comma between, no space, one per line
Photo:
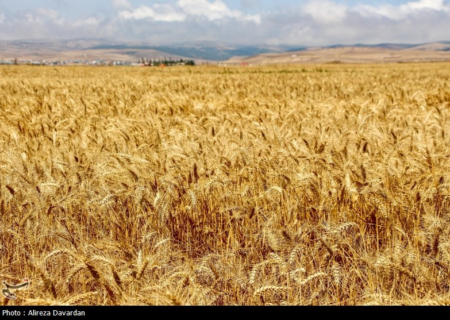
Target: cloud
[403,11]
[426,4]
[158,12]
[121,4]
[44,23]
[87,22]
[325,12]
[41,16]
[386,11]
[216,10]
[326,22]
[183,9]
[320,22]
[48,14]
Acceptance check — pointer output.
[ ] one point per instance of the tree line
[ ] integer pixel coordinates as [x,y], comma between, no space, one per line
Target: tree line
[166,62]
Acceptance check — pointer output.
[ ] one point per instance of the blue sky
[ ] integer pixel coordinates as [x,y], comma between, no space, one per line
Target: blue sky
[318,22]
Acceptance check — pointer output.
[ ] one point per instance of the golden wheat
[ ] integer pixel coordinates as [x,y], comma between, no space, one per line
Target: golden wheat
[280,185]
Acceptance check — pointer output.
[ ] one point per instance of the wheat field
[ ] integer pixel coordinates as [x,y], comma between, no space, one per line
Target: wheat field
[280,185]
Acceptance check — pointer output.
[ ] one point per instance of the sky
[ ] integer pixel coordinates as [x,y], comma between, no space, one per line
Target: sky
[252,22]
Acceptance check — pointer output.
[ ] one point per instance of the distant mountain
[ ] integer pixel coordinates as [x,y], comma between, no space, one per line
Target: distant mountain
[71,50]
[200,50]
[210,50]
[436,46]
[297,49]
[196,50]
[394,46]
[358,53]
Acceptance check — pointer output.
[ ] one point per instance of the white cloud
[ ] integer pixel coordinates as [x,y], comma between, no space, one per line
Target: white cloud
[216,10]
[439,5]
[158,12]
[387,11]
[121,4]
[212,11]
[49,14]
[329,12]
[403,11]
[320,22]
[87,22]
[325,12]
[42,16]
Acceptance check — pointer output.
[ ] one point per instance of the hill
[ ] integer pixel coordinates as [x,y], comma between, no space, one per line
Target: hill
[352,54]
[211,51]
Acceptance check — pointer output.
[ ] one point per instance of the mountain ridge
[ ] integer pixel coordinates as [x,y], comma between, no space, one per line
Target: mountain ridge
[212,51]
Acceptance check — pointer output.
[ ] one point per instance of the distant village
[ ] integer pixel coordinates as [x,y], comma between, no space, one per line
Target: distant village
[142,62]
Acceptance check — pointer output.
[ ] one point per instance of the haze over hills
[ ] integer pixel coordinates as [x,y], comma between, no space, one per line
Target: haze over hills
[108,50]
[382,53]
[218,51]
[205,50]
